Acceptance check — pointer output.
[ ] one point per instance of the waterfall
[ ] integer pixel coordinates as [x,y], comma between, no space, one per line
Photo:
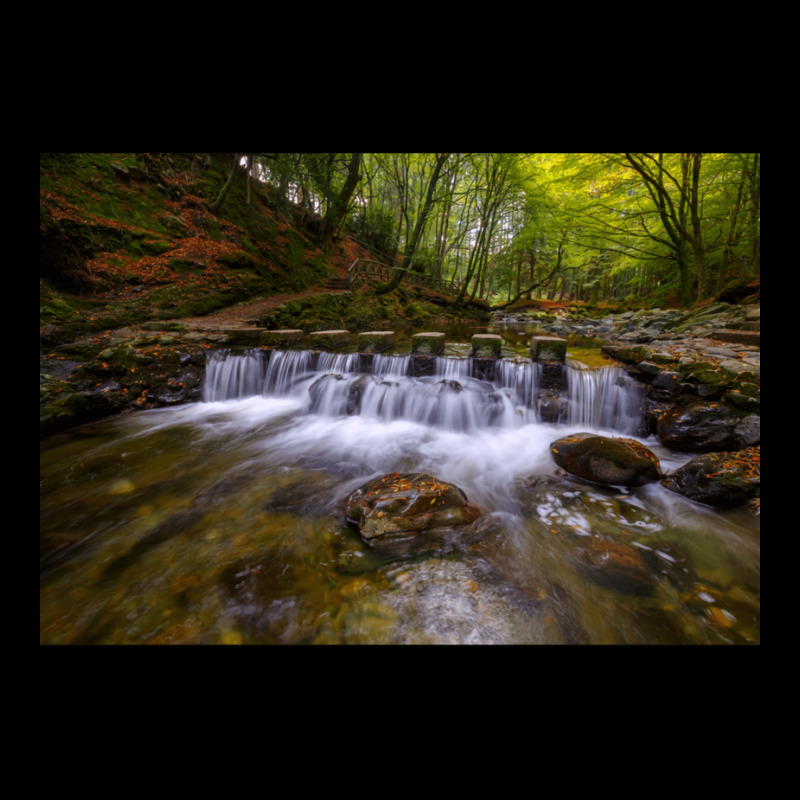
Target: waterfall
[604,398]
[392,366]
[521,377]
[453,368]
[234,377]
[334,385]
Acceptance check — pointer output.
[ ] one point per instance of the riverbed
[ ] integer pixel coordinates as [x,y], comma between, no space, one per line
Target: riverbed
[221,522]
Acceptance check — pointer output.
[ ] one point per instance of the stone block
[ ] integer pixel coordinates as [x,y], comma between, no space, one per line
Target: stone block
[329,340]
[486,345]
[548,348]
[376,341]
[428,343]
[282,338]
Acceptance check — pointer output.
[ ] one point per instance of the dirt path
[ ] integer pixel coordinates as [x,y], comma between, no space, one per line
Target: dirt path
[237,316]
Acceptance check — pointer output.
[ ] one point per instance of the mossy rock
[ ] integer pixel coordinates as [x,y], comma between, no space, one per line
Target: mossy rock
[291,337]
[717,377]
[376,341]
[486,345]
[431,343]
[329,340]
[548,348]
[631,355]
[607,460]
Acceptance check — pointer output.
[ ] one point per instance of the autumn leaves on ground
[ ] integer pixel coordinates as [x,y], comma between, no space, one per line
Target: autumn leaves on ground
[138,276]
[149,241]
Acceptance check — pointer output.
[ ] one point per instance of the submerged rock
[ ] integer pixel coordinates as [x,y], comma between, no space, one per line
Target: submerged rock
[405,509]
[616,565]
[602,459]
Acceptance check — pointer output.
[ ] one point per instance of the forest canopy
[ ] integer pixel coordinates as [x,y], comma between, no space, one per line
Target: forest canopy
[653,228]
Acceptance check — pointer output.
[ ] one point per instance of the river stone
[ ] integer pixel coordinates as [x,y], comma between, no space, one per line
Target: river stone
[607,460]
[666,384]
[399,507]
[702,428]
[718,479]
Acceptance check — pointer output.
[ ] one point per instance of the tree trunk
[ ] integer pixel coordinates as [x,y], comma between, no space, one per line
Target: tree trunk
[217,204]
[337,206]
[411,247]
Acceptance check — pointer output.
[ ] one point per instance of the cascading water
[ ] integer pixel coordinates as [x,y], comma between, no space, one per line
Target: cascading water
[221,522]
[604,398]
[334,384]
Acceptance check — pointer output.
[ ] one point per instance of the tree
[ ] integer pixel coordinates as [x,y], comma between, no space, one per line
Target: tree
[413,242]
[338,203]
[217,204]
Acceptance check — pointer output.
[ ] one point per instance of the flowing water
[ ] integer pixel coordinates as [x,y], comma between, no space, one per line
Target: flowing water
[220,521]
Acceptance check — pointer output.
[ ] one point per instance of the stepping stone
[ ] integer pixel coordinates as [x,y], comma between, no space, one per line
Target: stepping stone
[329,340]
[376,341]
[427,343]
[282,337]
[548,348]
[486,345]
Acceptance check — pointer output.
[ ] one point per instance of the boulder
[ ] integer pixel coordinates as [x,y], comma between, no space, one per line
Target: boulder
[707,427]
[602,459]
[407,509]
[721,480]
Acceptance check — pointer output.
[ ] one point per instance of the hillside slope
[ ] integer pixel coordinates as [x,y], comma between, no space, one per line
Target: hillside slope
[137,276]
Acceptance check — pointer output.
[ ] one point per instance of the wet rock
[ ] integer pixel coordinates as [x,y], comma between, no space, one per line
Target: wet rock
[550,407]
[606,460]
[721,480]
[666,385]
[356,392]
[403,510]
[706,427]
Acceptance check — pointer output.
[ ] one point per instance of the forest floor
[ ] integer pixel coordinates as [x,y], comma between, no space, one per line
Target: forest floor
[244,314]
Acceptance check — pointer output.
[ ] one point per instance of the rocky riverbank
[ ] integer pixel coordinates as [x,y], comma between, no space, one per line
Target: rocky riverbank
[701,373]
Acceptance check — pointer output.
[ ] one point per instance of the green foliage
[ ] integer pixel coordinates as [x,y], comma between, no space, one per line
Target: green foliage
[376,228]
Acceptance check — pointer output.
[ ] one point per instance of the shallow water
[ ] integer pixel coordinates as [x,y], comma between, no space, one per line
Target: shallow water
[220,522]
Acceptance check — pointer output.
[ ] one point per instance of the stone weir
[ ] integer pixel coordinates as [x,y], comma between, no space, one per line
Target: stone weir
[549,351]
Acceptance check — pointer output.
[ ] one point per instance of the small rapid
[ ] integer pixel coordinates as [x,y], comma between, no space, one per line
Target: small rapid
[383,388]
[221,521]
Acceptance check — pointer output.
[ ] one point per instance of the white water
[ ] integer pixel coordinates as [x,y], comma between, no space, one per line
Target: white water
[449,400]
[203,473]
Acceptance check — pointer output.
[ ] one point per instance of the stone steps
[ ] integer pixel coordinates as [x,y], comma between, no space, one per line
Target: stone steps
[425,348]
[484,345]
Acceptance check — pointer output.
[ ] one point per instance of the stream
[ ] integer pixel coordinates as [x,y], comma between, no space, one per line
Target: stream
[220,522]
